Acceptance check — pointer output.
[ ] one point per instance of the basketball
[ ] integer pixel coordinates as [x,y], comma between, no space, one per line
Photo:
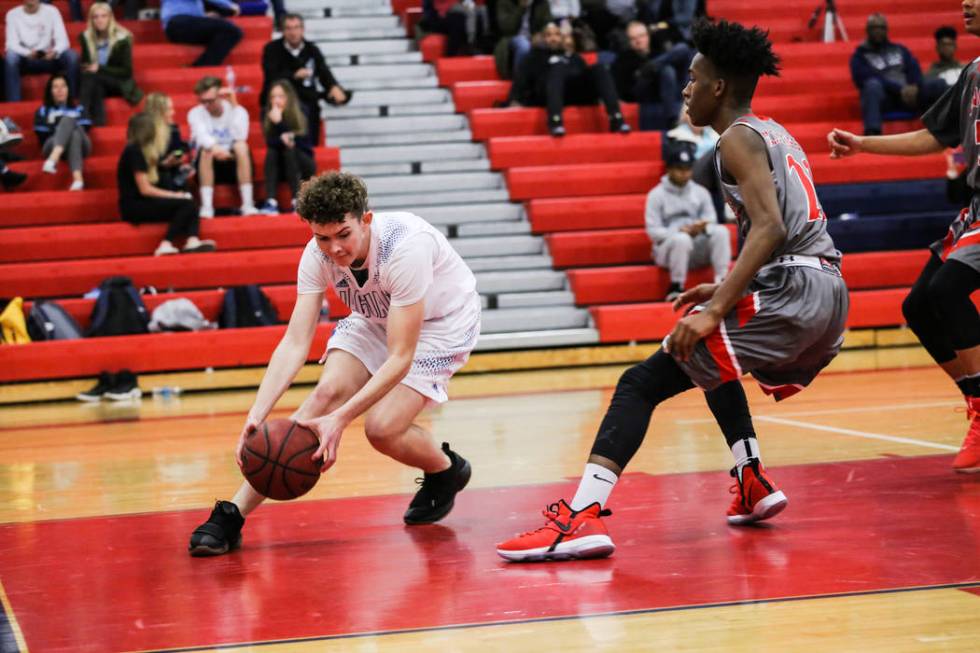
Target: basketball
[276,460]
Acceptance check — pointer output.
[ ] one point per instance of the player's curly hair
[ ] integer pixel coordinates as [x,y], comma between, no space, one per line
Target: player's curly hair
[741,53]
[330,197]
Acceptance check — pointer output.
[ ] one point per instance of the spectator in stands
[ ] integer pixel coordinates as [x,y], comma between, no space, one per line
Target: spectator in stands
[519,23]
[654,80]
[565,10]
[947,68]
[888,77]
[219,130]
[141,200]
[107,63]
[61,125]
[174,166]
[670,20]
[701,142]
[447,17]
[294,58]
[185,21]
[552,76]
[36,43]
[290,153]
[9,178]
[683,226]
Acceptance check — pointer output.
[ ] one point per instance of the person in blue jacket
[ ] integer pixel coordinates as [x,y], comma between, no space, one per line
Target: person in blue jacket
[62,125]
[888,77]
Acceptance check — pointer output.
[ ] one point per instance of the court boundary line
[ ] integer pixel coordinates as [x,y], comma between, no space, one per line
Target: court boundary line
[535,620]
[9,628]
[837,411]
[857,434]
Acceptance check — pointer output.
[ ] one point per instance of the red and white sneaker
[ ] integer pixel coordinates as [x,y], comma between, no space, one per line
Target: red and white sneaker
[967,461]
[756,496]
[567,535]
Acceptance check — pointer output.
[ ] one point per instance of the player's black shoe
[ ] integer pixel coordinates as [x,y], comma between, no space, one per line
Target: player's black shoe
[221,533]
[437,495]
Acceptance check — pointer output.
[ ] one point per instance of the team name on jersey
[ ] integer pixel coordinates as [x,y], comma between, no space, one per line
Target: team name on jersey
[975,100]
[370,304]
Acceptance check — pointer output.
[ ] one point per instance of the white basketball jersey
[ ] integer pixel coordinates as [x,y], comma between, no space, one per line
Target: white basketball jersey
[408,260]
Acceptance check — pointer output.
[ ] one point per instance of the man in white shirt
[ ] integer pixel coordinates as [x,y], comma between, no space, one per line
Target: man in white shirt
[219,129]
[415,319]
[36,43]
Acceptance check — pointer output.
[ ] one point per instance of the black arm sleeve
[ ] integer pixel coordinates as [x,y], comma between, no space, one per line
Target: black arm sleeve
[943,118]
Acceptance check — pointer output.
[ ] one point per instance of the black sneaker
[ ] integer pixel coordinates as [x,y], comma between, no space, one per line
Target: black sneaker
[617,125]
[673,292]
[556,127]
[124,387]
[221,533]
[96,392]
[12,179]
[437,495]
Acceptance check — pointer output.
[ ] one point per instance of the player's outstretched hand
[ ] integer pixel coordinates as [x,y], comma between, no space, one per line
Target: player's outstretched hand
[328,429]
[843,143]
[696,295]
[251,426]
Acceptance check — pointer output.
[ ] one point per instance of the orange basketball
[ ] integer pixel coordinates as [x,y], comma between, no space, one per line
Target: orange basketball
[276,460]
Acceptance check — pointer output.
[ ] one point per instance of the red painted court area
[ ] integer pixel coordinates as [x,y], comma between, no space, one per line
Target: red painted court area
[332,568]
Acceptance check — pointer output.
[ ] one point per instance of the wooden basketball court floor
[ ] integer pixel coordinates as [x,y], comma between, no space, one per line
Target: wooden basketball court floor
[879,549]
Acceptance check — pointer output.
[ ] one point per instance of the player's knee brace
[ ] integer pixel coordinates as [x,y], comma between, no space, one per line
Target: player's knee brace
[638,392]
[949,293]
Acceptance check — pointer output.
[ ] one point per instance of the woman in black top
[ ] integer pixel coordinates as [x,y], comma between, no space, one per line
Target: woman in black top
[174,165]
[289,156]
[141,201]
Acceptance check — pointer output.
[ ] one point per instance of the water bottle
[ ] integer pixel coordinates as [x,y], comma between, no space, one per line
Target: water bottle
[167,391]
[230,77]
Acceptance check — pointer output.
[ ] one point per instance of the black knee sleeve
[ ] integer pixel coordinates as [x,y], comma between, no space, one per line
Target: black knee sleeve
[638,392]
[949,293]
[731,410]
[921,318]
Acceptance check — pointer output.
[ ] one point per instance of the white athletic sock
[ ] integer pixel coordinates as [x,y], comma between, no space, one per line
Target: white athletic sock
[246,191]
[745,449]
[596,485]
[207,197]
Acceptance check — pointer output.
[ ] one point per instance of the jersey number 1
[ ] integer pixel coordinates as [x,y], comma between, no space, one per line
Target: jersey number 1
[814,212]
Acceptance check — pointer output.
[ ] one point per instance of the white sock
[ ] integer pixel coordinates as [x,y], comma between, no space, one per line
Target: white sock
[596,485]
[207,197]
[745,449]
[246,191]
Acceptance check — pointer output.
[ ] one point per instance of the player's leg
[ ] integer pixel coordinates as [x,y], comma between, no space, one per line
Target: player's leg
[756,495]
[390,428]
[949,291]
[917,308]
[576,530]
[674,253]
[343,375]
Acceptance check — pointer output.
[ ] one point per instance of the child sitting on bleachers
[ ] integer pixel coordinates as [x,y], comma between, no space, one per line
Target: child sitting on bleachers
[61,125]
[107,63]
[290,152]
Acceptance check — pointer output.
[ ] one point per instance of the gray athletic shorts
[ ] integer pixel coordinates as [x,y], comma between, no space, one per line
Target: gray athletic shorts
[787,329]
[962,241]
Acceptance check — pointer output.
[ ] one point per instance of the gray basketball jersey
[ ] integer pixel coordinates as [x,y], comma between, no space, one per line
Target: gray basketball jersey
[953,119]
[806,223]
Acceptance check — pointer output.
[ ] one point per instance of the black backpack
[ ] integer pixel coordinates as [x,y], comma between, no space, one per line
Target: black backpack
[119,310]
[49,321]
[247,306]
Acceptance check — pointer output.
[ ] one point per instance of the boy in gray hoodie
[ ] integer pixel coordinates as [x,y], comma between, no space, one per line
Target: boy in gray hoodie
[683,226]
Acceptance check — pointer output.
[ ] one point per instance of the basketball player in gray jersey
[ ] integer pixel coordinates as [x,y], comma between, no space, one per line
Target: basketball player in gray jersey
[779,314]
[939,309]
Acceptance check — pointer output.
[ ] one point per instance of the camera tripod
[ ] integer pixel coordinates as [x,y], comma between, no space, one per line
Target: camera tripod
[833,26]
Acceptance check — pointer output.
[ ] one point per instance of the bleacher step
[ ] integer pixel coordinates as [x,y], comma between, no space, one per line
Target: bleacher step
[400,97]
[362,46]
[320,29]
[367,140]
[494,246]
[508,263]
[503,320]
[351,112]
[471,216]
[401,184]
[520,281]
[351,74]
[341,61]
[415,201]
[354,23]
[537,339]
[426,167]
[419,152]
[528,299]
[391,83]
[404,125]
[495,228]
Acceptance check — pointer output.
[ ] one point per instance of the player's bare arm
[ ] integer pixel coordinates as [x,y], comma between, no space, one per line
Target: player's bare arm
[404,327]
[844,143]
[286,361]
[743,155]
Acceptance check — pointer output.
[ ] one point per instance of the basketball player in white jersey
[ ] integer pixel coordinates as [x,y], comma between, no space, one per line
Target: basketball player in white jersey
[938,309]
[415,319]
[778,315]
